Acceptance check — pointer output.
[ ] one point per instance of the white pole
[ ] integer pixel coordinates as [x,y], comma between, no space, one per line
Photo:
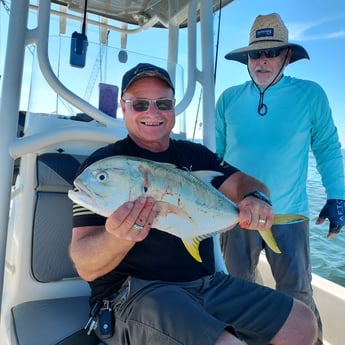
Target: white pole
[9,113]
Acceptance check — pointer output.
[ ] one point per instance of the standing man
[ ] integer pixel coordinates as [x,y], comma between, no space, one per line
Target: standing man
[154,291]
[266,127]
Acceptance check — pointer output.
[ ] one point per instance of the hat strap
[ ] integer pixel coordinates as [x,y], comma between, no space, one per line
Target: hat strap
[262,107]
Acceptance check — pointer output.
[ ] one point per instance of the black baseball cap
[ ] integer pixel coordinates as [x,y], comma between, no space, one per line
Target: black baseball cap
[145,70]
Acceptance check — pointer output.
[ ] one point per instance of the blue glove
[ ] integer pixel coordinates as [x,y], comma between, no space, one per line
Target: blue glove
[334,210]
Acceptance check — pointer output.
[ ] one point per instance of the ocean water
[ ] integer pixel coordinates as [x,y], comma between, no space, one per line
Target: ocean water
[327,255]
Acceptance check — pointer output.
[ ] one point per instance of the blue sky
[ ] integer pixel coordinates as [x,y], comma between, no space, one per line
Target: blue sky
[318,25]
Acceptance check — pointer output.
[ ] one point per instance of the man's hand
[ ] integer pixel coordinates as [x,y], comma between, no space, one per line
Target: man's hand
[334,210]
[133,220]
[255,214]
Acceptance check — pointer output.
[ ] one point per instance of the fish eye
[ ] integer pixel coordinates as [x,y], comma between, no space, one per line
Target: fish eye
[101,176]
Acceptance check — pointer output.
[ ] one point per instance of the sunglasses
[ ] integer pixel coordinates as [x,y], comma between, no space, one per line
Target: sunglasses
[140,105]
[269,53]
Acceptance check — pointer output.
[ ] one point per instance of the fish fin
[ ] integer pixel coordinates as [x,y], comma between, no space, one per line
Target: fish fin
[206,175]
[279,219]
[166,209]
[287,218]
[192,246]
[268,237]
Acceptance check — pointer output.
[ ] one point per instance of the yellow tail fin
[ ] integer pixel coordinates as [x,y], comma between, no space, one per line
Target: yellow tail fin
[267,235]
[192,244]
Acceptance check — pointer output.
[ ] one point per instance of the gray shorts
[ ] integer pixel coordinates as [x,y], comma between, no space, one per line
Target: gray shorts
[196,312]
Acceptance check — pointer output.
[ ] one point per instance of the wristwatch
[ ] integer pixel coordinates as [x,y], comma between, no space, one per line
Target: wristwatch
[261,196]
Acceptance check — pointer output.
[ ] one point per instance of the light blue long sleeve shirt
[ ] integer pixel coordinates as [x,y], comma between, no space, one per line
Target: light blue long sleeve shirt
[275,148]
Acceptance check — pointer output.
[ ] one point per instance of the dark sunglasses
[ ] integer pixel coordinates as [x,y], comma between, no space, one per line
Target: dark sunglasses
[269,53]
[140,105]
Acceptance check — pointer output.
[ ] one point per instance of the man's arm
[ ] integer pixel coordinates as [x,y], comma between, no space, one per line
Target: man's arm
[252,209]
[96,250]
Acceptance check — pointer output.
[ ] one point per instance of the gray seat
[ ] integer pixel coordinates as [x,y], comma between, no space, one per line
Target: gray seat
[53,322]
[61,320]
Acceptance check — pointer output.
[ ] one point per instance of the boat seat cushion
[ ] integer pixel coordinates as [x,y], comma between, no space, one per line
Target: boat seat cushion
[52,223]
[53,322]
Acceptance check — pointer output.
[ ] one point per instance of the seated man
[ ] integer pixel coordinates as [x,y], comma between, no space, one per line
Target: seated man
[158,294]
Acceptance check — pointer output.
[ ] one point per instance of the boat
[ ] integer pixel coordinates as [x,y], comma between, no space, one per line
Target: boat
[69,115]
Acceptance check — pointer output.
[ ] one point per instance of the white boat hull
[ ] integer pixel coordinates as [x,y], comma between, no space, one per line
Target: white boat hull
[329,298]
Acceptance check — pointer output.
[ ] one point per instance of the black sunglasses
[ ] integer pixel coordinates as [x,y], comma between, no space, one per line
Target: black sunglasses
[269,53]
[140,105]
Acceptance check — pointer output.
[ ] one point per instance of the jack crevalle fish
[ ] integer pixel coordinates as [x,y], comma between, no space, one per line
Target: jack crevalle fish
[189,206]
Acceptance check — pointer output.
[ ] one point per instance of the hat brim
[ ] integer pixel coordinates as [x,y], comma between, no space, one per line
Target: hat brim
[241,54]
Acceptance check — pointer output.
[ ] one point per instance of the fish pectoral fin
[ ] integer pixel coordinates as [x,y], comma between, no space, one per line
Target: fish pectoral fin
[268,237]
[164,208]
[172,218]
[192,246]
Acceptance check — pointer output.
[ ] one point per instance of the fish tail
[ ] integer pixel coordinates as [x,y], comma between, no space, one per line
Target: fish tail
[287,218]
[267,235]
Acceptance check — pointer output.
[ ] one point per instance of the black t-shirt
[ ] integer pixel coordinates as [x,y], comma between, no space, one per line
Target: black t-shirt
[161,256]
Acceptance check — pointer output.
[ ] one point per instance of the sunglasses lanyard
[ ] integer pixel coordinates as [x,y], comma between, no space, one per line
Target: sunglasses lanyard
[262,107]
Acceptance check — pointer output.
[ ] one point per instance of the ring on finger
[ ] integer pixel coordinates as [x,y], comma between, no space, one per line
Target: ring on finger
[262,221]
[138,227]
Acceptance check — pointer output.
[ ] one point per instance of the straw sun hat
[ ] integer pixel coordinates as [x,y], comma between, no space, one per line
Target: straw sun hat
[268,31]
